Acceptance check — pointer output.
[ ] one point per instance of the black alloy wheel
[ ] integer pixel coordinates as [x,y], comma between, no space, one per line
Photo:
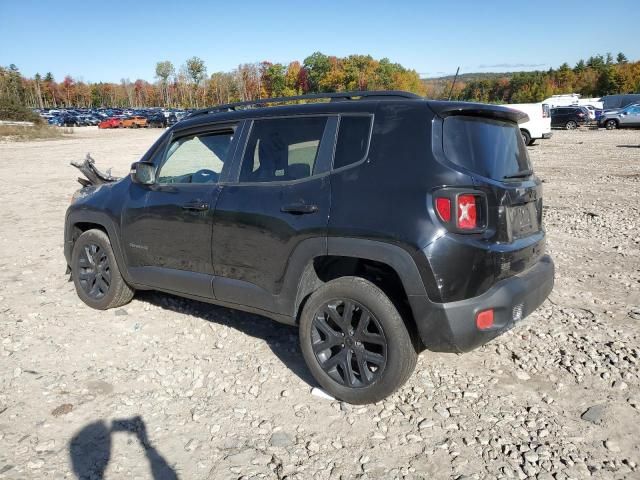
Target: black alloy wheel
[349,343]
[94,273]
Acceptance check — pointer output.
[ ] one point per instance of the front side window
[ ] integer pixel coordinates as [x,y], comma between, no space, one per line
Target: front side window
[196,158]
[282,149]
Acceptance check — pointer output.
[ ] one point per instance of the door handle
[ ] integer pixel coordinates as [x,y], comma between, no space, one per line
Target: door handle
[299,208]
[196,205]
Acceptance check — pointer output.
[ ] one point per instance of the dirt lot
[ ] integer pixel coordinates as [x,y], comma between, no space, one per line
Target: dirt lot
[167,387]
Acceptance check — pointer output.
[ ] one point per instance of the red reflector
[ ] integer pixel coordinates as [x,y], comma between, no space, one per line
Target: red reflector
[467,215]
[443,206]
[484,319]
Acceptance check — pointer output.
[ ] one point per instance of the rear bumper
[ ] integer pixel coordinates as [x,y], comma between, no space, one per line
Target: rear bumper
[451,327]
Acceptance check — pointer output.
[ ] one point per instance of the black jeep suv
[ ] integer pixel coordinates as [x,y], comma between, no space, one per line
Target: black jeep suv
[379,223]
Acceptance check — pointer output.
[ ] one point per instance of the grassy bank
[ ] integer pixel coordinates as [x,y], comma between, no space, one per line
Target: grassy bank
[38,132]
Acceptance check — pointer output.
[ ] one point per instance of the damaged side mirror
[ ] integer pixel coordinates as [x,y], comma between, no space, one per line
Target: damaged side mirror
[143,173]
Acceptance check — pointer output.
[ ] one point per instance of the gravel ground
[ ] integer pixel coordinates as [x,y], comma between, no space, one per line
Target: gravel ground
[167,388]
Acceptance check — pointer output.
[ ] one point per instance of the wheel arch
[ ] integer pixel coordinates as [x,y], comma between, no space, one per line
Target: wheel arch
[79,221]
[389,266]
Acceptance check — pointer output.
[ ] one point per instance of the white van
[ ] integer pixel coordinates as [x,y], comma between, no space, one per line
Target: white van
[539,124]
[572,99]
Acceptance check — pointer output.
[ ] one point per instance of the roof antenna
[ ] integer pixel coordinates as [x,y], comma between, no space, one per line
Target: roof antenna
[454,83]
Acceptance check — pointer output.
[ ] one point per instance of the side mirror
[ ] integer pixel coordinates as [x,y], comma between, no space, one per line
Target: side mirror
[143,173]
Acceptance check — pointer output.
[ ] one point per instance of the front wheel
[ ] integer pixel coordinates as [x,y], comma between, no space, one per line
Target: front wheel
[95,272]
[354,341]
[526,138]
[571,125]
[611,125]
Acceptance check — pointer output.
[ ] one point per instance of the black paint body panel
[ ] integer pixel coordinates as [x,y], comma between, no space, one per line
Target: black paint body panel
[244,251]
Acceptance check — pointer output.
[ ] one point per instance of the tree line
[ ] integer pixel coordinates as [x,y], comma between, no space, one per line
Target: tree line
[190,86]
[597,76]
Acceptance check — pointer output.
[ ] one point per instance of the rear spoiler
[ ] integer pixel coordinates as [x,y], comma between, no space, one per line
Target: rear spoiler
[445,109]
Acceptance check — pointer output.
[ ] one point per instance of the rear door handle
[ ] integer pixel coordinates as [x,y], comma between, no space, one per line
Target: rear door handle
[299,208]
[196,205]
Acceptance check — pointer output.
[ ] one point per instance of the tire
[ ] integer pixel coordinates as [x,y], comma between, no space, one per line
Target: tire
[370,360]
[526,138]
[611,124]
[531,142]
[571,125]
[95,272]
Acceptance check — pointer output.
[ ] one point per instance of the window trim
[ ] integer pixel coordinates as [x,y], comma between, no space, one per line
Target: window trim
[208,129]
[330,132]
[366,152]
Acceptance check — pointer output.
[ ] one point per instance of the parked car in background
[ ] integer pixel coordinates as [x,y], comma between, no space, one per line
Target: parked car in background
[626,117]
[591,110]
[110,123]
[172,119]
[65,121]
[539,124]
[88,120]
[135,121]
[157,120]
[569,118]
[611,102]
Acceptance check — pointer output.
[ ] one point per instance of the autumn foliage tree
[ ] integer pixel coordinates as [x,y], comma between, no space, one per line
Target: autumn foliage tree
[191,86]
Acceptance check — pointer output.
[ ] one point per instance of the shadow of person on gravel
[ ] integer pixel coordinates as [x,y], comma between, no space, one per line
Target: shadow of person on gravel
[90,449]
[281,339]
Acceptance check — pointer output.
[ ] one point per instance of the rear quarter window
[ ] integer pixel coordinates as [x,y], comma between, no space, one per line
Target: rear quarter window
[353,140]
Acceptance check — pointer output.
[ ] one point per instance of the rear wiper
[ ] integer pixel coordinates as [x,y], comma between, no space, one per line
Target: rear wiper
[521,174]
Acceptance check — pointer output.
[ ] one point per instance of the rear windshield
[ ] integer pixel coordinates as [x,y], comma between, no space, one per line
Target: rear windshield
[491,148]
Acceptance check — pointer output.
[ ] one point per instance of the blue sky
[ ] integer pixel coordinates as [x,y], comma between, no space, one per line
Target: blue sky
[107,40]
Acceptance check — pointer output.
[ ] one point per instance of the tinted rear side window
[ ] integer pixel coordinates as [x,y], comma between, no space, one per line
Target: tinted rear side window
[491,148]
[353,140]
[282,149]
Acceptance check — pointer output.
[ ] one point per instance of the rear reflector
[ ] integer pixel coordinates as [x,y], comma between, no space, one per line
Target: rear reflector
[484,319]
[443,206]
[467,214]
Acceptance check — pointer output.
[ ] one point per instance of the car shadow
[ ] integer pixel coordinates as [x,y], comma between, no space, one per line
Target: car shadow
[628,146]
[90,449]
[281,339]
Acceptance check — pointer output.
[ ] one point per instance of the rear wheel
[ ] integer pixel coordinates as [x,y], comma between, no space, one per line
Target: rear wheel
[610,124]
[526,138]
[571,125]
[354,341]
[95,272]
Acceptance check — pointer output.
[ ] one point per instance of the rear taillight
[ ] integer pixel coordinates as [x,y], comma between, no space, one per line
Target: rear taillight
[545,110]
[443,207]
[467,212]
[581,115]
[461,210]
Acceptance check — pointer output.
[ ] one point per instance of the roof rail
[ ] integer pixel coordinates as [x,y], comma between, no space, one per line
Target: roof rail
[372,94]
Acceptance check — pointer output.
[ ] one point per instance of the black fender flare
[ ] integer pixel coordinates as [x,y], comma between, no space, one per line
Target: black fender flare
[102,219]
[300,269]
